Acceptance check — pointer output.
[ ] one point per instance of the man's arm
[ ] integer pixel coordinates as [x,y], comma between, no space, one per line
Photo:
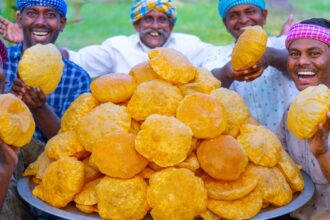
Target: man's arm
[36,100]
[318,146]
[10,31]
[8,161]
[276,58]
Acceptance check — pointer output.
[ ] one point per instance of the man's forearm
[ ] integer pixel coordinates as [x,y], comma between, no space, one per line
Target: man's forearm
[278,58]
[223,74]
[324,161]
[5,176]
[47,120]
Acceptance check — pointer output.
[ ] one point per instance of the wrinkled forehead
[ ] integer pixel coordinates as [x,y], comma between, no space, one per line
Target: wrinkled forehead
[304,44]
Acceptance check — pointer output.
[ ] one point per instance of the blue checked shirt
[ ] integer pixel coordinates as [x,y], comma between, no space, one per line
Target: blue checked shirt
[74,82]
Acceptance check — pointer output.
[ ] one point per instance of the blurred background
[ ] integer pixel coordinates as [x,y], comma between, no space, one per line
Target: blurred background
[93,21]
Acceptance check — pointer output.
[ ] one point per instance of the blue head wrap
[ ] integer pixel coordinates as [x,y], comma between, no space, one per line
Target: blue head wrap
[58,5]
[143,7]
[225,5]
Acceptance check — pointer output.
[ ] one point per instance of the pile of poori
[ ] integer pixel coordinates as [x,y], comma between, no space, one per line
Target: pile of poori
[167,141]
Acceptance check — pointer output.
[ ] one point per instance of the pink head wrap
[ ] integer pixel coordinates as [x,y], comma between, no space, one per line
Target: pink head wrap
[308,31]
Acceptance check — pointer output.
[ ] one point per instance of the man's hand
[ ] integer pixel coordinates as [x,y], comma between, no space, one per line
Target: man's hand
[10,31]
[8,157]
[317,143]
[286,26]
[33,97]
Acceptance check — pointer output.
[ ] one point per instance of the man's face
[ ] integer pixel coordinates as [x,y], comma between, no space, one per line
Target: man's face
[308,63]
[242,16]
[154,29]
[40,25]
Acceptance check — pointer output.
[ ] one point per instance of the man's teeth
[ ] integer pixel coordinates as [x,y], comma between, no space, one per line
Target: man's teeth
[154,34]
[40,34]
[306,73]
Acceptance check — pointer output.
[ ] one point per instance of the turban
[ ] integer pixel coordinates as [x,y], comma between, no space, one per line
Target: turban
[308,31]
[225,5]
[3,52]
[142,7]
[58,5]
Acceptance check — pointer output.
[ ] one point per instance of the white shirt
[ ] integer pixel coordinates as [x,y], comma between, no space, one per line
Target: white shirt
[267,96]
[299,150]
[119,54]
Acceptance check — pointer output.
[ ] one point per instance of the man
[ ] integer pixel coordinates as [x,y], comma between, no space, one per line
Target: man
[153,20]
[308,44]
[269,95]
[41,22]
[8,156]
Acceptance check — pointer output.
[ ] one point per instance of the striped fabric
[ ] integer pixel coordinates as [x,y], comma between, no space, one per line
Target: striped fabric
[3,52]
[308,31]
[142,7]
[59,5]
[225,5]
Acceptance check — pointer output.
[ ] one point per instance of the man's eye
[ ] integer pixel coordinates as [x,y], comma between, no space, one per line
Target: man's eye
[162,20]
[315,54]
[250,12]
[51,15]
[148,19]
[233,16]
[294,54]
[30,13]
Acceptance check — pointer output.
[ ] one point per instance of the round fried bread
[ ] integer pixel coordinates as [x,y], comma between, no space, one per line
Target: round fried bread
[176,194]
[154,97]
[164,140]
[80,107]
[291,172]
[261,145]
[171,65]
[122,198]
[143,72]
[203,113]
[103,119]
[222,157]
[115,155]
[244,208]
[114,87]
[235,107]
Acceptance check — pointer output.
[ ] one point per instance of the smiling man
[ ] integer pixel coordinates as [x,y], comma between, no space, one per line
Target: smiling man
[308,43]
[266,87]
[154,21]
[41,22]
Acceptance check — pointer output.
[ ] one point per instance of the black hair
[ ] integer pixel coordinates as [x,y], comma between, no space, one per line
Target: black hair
[317,21]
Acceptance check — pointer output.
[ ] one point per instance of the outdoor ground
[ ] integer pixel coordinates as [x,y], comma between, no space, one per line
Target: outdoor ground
[101,19]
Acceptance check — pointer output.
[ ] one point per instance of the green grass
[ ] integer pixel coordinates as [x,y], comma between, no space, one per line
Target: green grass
[104,18]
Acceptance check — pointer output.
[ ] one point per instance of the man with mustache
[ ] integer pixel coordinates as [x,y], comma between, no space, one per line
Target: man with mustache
[308,44]
[154,21]
[266,87]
